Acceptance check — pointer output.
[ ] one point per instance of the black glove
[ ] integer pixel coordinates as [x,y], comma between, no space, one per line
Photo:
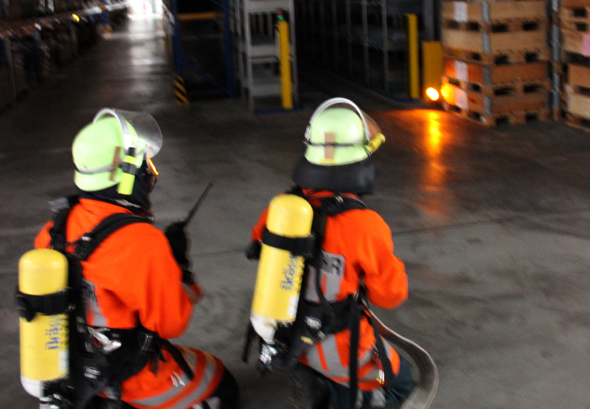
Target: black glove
[179,243]
[253,250]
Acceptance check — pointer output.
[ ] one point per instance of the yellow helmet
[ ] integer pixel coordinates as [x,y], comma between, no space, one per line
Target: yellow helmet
[108,151]
[340,139]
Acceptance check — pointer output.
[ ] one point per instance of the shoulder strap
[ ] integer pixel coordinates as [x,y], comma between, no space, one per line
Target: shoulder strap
[86,357]
[332,205]
[339,204]
[57,232]
[295,190]
[90,241]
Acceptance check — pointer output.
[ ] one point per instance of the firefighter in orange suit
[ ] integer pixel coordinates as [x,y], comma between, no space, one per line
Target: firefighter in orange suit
[137,280]
[357,250]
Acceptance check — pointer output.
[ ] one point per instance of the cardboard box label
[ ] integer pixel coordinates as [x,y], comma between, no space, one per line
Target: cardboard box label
[460,11]
[461,72]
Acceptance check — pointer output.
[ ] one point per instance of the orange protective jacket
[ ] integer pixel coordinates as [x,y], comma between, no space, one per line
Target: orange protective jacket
[357,244]
[133,277]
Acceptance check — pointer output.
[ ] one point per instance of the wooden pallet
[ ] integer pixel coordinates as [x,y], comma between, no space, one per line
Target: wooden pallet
[491,110]
[520,117]
[577,101]
[574,11]
[496,90]
[578,76]
[493,80]
[583,26]
[494,43]
[486,13]
[524,24]
[577,122]
[569,58]
[558,67]
[575,42]
[502,57]
[578,90]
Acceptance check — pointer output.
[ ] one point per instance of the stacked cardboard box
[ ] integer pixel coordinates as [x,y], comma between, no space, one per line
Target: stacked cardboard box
[575,26]
[496,57]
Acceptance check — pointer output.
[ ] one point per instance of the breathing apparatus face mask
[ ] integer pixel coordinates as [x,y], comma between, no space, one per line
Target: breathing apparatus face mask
[142,140]
[340,133]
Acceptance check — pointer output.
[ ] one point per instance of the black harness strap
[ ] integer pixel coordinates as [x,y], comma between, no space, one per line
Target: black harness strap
[178,357]
[48,304]
[57,232]
[91,371]
[383,357]
[332,317]
[89,242]
[355,326]
[299,246]
[333,206]
[109,367]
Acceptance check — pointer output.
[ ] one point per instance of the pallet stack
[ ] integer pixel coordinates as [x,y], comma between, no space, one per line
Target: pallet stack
[496,60]
[575,26]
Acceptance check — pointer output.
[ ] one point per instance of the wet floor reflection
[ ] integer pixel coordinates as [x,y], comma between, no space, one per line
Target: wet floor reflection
[434,194]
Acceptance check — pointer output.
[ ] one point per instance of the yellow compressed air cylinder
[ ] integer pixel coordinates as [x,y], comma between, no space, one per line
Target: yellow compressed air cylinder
[43,340]
[278,283]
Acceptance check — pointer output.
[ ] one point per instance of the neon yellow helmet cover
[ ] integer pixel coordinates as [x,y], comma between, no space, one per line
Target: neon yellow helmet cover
[340,139]
[112,147]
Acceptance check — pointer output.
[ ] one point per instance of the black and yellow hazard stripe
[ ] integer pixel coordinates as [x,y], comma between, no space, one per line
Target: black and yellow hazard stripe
[180,91]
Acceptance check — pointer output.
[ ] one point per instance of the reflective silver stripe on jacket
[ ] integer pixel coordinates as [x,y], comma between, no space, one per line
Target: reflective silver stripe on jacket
[335,369]
[197,394]
[332,270]
[91,304]
[377,398]
[182,382]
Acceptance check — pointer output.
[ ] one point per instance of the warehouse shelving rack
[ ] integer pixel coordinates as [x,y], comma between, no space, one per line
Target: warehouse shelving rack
[6,73]
[32,48]
[187,32]
[362,40]
[256,52]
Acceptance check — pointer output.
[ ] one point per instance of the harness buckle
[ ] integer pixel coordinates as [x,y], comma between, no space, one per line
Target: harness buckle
[145,343]
[313,323]
[106,344]
[267,353]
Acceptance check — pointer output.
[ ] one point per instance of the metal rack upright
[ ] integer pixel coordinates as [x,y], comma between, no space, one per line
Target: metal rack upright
[256,50]
[362,40]
[34,44]
[188,32]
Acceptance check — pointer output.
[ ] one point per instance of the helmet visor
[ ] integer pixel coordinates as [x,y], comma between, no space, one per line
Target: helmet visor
[140,130]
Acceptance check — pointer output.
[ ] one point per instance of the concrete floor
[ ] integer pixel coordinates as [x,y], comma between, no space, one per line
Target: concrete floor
[493,224]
